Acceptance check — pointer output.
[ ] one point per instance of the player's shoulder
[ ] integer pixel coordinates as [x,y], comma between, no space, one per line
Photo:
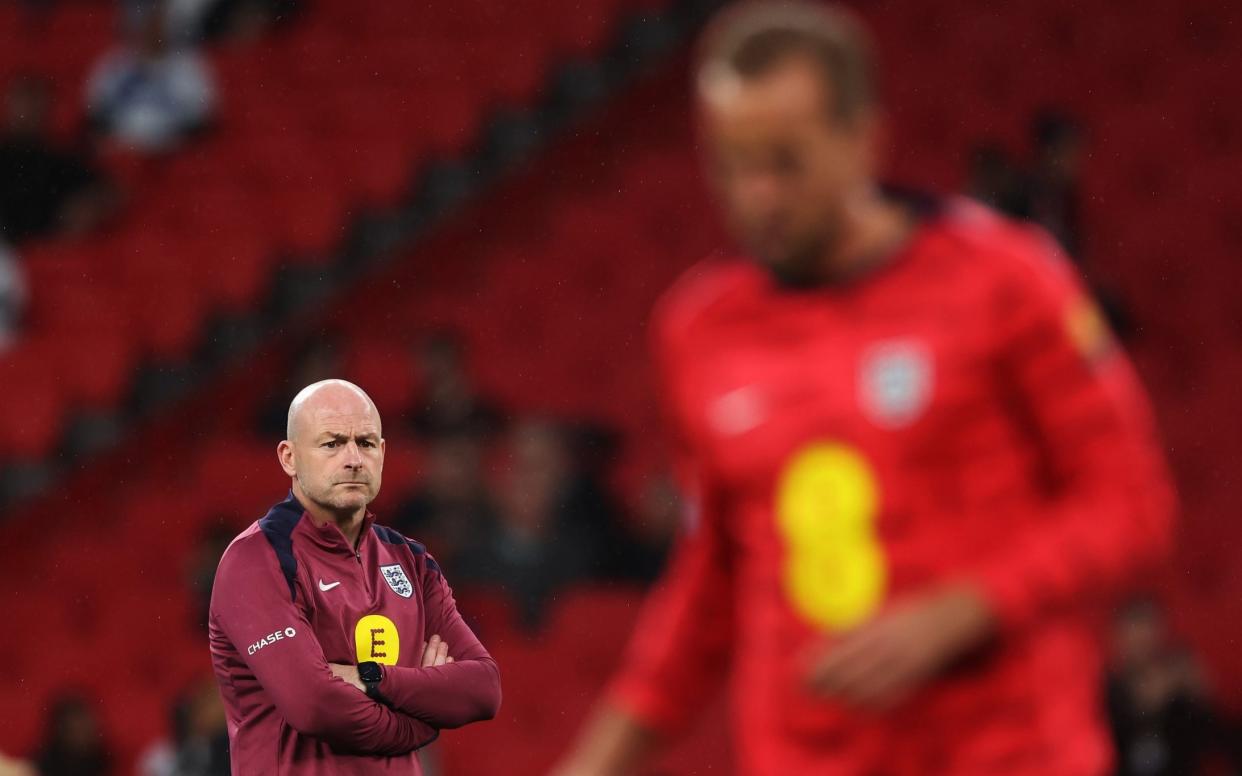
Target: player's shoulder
[247,544]
[250,561]
[267,540]
[707,287]
[423,560]
[1001,250]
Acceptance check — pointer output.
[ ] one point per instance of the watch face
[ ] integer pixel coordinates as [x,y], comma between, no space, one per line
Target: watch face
[370,672]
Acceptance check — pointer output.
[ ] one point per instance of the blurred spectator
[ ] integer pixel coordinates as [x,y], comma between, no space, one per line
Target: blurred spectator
[1052,198]
[242,21]
[452,508]
[318,358]
[1162,720]
[44,190]
[205,559]
[655,525]
[996,180]
[73,744]
[451,404]
[200,738]
[147,94]
[619,552]
[541,542]
[12,297]
[1048,194]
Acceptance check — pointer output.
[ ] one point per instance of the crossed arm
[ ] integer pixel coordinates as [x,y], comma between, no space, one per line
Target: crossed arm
[441,691]
[446,690]
[251,601]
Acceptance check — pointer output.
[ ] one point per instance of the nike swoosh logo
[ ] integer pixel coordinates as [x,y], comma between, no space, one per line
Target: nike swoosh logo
[326,588]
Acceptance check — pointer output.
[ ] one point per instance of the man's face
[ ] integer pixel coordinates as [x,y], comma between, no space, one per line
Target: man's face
[783,166]
[336,453]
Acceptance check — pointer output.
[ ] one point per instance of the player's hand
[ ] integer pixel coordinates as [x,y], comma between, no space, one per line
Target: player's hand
[348,673]
[435,652]
[612,744]
[881,662]
[9,767]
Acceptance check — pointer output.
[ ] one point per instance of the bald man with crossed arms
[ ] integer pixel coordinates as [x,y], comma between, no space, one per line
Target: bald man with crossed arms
[336,641]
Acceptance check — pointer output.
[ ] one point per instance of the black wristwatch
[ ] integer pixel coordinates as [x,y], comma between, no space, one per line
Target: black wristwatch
[371,674]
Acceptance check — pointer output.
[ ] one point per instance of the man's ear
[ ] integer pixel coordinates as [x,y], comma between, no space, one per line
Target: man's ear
[284,452]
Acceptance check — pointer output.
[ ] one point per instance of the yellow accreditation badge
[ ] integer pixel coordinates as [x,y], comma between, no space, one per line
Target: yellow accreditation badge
[377,639]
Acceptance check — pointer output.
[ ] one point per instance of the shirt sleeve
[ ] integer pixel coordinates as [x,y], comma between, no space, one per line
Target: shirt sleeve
[682,643]
[1110,506]
[448,696]
[252,606]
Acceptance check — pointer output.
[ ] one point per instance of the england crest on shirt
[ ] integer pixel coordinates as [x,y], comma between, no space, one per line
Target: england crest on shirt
[395,577]
[895,382]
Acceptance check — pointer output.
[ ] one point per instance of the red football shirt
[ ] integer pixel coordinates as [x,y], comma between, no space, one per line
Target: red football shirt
[290,597]
[958,413]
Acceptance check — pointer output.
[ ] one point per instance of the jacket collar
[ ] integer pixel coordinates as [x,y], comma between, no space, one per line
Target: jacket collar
[328,536]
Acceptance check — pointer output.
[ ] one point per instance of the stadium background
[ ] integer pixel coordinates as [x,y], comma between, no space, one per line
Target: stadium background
[523,175]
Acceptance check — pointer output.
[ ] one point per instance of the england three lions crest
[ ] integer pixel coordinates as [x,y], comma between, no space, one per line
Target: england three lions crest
[895,382]
[397,580]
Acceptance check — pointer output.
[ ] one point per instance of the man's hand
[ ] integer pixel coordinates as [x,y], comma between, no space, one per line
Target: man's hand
[10,767]
[613,744]
[435,652]
[883,661]
[348,673]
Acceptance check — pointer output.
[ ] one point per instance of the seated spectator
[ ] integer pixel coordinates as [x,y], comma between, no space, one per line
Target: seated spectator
[1054,181]
[451,404]
[541,542]
[619,552]
[199,745]
[656,522]
[452,507]
[12,297]
[996,180]
[45,190]
[148,95]
[73,744]
[235,21]
[202,567]
[1163,722]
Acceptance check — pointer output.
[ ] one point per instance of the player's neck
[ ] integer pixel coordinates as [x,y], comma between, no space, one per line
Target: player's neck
[876,228]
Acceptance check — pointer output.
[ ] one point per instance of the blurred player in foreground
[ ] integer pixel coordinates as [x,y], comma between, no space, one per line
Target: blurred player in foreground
[917,455]
[336,641]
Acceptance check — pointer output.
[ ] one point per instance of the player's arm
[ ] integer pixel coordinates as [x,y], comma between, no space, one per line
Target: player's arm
[250,600]
[1110,512]
[453,693]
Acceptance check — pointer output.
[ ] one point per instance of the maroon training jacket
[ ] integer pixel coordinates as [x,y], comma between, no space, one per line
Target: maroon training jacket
[289,598]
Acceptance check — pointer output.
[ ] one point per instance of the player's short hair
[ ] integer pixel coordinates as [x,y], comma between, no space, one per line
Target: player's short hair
[751,39]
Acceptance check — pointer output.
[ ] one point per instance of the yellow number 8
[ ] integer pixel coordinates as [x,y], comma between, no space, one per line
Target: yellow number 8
[826,505]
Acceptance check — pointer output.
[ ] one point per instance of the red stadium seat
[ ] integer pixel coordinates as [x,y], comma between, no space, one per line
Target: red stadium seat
[31,413]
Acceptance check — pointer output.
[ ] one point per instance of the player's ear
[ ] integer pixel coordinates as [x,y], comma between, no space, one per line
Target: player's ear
[284,453]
